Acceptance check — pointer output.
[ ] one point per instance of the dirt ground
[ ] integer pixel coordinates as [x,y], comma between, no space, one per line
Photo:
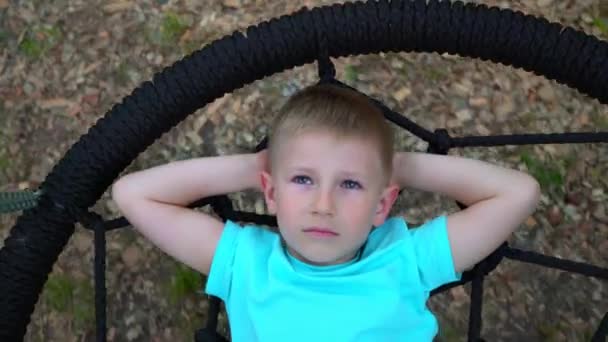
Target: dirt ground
[64,63]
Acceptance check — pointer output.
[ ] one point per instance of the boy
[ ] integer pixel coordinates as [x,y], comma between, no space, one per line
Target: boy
[338,269]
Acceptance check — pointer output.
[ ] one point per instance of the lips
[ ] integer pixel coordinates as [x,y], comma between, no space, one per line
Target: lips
[320,230]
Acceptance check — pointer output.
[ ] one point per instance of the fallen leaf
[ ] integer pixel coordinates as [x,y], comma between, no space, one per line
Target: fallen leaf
[55,103]
[91,67]
[232,3]
[115,7]
[91,99]
[402,94]
[531,222]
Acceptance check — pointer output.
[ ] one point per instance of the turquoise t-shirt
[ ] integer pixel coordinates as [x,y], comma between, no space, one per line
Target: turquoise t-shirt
[272,296]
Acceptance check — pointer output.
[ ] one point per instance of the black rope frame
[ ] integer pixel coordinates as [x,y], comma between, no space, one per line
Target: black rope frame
[86,171]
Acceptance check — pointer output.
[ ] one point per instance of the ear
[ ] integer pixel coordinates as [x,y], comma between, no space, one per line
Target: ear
[387,199]
[268,189]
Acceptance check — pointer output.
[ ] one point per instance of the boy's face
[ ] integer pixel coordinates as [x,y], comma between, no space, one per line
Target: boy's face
[327,183]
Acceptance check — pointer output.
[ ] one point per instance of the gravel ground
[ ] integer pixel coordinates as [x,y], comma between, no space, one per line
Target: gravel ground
[64,63]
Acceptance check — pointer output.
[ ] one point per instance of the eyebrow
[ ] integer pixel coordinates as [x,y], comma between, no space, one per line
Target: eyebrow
[309,170]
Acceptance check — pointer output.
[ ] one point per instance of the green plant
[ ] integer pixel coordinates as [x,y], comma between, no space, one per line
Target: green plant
[83,305]
[184,281]
[172,27]
[64,294]
[447,333]
[549,332]
[350,74]
[58,292]
[434,73]
[602,24]
[549,176]
[122,73]
[38,40]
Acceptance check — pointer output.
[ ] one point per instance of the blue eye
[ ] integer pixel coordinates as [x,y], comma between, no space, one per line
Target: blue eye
[300,179]
[352,184]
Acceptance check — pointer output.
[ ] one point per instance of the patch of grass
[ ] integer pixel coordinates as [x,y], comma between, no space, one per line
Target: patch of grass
[447,333]
[184,281]
[351,74]
[549,332]
[66,295]
[83,308]
[602,24]
[58,292]
[169,30]
[434,73]
[122,73]
[38,40]
[587,334]
[548,175]
[172,27]
[527,118]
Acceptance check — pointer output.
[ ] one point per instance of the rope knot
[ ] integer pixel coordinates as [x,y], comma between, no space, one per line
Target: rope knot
[326,69]
[222,206]
[441,143]
[490,263]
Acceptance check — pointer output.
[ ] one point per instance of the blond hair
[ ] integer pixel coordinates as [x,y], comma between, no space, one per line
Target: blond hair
[339,111]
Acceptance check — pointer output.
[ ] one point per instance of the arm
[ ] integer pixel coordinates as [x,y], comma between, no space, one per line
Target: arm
[498,200]
[154,201]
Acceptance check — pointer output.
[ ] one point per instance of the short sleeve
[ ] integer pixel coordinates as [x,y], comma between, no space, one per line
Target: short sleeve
[434,254]
[220,272]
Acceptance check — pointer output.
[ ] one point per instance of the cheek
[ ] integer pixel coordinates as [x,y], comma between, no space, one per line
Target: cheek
[289,200]
[359,208]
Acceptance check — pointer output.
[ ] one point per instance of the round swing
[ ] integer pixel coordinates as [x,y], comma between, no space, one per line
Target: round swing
[91,165]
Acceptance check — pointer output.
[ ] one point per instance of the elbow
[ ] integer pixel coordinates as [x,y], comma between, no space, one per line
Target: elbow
[532,192]
[120,190]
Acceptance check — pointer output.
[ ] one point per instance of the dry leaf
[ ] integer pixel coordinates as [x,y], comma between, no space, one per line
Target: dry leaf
[531,222]
[115,7]
[402,94]
[55,103]
[232,3]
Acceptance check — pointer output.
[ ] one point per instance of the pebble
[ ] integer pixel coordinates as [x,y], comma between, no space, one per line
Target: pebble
[482,129]
[134,333]
[230,118]
[478,102]
[544,3]
[248,137]
[554,216]
[464,114]
[82,242]
[131,256]
[28,88]
[546,93]
[130,320]
[572,212]
[464,88]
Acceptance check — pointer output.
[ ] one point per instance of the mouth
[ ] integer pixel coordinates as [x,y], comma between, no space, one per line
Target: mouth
[319,231]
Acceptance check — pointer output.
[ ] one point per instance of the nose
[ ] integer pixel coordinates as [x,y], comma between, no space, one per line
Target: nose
[324,202]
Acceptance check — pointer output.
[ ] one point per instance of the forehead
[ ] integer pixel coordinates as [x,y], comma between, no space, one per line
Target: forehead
[315,150]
